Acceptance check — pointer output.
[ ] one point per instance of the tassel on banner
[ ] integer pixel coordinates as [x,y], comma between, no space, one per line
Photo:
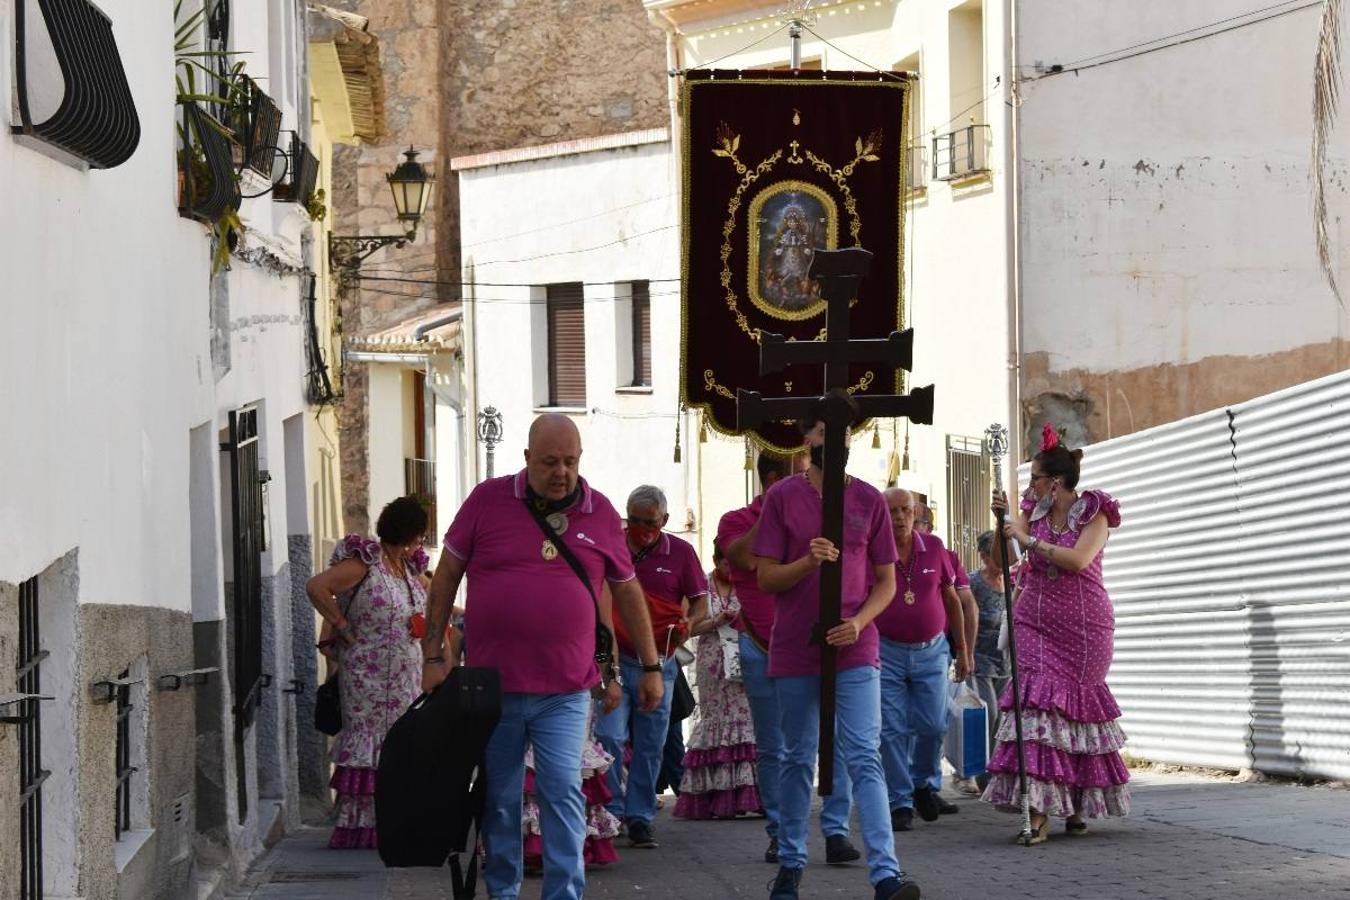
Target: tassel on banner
[749,457]
[876,435]
[679,419]
[702,430]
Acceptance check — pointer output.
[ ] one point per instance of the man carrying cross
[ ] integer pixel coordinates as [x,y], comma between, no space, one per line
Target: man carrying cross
[789,552]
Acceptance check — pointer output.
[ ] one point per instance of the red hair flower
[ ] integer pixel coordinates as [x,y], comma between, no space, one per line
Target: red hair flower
[1049,437]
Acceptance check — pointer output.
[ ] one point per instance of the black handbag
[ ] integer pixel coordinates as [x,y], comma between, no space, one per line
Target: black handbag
[328,698]
[682,700]
[328,707]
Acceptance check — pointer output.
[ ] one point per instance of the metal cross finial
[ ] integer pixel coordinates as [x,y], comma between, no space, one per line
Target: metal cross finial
[490,433]
[798,10]
[997,437]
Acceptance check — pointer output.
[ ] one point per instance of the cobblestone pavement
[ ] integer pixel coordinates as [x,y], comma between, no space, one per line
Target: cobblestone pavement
[1189,837]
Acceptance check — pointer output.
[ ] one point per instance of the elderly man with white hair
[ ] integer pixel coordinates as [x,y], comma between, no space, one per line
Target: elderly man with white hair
[677,593]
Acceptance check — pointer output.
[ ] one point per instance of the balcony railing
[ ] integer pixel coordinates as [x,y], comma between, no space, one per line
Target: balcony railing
[916,175]
[419,476]
[961,154]
[298,186]
[258,128]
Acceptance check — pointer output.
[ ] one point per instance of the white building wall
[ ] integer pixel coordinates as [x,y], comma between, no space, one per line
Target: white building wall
[1166,219]
[605,218]
[956,234]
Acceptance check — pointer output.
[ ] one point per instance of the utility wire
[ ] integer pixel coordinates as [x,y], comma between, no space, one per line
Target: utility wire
[1075,67]
[709,64]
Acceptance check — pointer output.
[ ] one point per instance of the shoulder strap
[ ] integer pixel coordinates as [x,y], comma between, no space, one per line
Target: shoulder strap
[566,552]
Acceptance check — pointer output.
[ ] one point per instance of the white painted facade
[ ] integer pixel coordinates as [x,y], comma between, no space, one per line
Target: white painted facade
[602,212]
[119,362]
[605,213]
[1166,215]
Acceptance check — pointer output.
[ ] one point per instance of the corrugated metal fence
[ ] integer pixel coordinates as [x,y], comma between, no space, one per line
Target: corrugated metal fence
[1231,582]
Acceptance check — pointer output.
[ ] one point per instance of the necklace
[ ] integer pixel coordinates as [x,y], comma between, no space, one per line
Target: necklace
[908,572]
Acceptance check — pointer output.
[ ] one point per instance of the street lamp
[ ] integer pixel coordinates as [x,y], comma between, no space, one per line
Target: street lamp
[490,433]
[411,186]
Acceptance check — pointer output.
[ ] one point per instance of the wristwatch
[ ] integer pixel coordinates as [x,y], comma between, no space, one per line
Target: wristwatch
[653,667]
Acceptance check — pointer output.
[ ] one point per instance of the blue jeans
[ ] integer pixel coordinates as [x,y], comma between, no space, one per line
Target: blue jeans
[556,725]
[914,699]
[857,736]
[763,697]
[649,732]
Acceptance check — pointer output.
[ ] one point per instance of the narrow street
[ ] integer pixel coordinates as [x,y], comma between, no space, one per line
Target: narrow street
[1188,837]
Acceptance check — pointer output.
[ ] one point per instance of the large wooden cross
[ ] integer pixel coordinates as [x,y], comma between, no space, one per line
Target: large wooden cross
[838,272]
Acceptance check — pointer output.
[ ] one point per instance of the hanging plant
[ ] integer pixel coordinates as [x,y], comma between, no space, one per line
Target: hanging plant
[315,206]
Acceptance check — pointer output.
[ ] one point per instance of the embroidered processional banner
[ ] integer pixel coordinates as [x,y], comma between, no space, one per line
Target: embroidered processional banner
[775,167]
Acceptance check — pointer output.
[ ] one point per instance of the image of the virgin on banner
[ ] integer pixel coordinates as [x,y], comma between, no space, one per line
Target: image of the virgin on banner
[775,167]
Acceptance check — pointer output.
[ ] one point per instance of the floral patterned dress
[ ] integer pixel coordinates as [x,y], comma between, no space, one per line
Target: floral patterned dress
[379,676]
[720,773]
[1065,630]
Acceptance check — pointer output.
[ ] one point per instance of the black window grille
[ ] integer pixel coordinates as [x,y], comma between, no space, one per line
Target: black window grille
[247,526]
[299,185]
[642,334]
[95,118]
[122,806]
[31,773]
[258,127]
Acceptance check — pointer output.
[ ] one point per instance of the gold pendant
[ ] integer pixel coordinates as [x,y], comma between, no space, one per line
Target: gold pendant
[1051,573]
[909,598]
[548,551]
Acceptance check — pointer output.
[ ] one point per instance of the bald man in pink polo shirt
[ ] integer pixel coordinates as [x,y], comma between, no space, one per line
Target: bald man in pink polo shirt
[530,616]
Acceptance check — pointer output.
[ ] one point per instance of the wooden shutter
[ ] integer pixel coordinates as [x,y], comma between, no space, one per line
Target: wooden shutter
[642,334]
[566,346]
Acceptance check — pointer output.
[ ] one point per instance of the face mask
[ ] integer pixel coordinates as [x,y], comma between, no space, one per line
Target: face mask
[643,535]
[818,456]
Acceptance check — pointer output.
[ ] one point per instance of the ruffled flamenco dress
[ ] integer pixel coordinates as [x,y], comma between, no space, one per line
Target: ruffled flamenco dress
[379,676]
[601,825]
[1065,630]
[720,772]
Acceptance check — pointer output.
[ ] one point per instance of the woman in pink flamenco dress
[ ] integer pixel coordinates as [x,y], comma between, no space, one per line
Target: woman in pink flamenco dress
[1065,630]
[380,602]
[720,773]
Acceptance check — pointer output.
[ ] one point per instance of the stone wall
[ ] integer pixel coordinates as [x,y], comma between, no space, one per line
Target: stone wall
[464,77]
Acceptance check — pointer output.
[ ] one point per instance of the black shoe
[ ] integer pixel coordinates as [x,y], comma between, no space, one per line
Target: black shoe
[944,806]
[902,819]
[640,835]
[839,851]
[784,885]
[771,852]
[926,802]
[897,889]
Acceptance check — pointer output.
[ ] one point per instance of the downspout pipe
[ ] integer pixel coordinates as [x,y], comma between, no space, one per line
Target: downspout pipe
[1013,242]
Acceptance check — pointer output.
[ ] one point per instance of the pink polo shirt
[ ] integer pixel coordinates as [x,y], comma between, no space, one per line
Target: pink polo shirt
[961,579]
[791,518]
[671,571]
[531,618]
[926,572]
[757,607]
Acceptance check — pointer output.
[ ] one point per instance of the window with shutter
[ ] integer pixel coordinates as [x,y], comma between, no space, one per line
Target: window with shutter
[642,334]
[566,346]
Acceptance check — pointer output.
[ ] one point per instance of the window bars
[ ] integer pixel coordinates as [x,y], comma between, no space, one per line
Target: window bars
[124,770]
[31,773]
[246,507]
[968,486]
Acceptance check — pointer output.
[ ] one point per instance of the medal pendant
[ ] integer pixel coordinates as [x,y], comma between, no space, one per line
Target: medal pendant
[558,522]
[548,551]
[909,598]
[1051,573]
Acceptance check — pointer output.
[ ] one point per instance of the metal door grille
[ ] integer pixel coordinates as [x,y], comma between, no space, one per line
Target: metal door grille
[967,497]
[247,520]
[122,806]
[31,773]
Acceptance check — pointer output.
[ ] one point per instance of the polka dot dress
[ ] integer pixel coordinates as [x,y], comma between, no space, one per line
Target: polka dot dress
[1065,631]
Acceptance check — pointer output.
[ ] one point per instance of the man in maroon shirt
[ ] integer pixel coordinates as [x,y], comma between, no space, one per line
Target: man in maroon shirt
[914,658]
[735,535]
